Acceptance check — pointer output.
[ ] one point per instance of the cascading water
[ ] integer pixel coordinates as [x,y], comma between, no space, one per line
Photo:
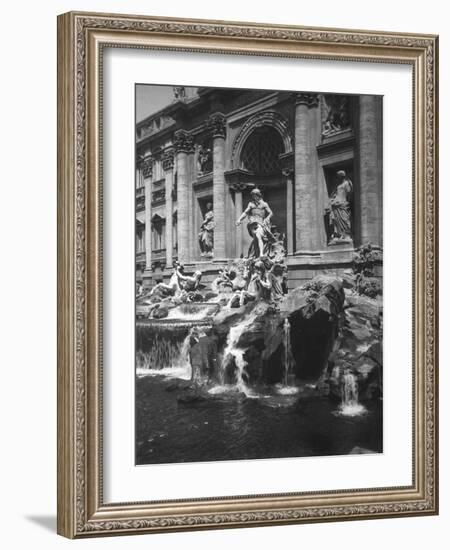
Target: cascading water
[168,356]
[192,311]
[183,359]
[287,347]
[235,353]
[285,388]
[350,405]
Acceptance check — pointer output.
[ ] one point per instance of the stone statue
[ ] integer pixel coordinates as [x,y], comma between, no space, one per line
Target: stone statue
[277,277]
[204,160]
[139,290]
[258,214]
[338,118]
[179,93]
[258,286]
[187,283]
[206,235]
[224,281]
[172,288]
[339,210]
[178,283]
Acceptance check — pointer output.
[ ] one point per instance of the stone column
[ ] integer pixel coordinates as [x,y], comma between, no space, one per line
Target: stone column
[369,203]
[193,230]
[147,171]
[305,184]
[167,164]
[183,143]
[288,173]
[238,188]
[217,125]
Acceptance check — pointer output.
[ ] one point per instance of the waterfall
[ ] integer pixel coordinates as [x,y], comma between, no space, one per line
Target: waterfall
[183,359]
[285,388]
[350,405]
[166,355]
[235,353]
[287,347]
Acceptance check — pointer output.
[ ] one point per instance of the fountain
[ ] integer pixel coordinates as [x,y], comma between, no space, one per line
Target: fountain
[287,347]
[350,405]
[255,360]
[286,388]
[163,352]
[234,354]
[201,330]
[193,311]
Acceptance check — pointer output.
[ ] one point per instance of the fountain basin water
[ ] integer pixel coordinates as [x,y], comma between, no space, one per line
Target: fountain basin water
[193,311]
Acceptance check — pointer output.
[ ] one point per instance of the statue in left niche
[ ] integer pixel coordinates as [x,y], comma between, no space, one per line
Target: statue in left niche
[206,235]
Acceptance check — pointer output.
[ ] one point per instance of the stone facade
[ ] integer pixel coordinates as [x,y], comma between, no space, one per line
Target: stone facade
[216,146]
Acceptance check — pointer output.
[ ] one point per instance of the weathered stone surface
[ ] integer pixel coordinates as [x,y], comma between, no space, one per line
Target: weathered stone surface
[319,303]
[359,347]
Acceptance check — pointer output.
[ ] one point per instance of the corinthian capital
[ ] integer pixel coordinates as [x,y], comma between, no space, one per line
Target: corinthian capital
[183,141]
[147,167]
[306,98]
[167,159]
[217,125]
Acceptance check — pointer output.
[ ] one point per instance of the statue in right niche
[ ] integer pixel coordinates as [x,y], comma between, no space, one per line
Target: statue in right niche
[206,235]
[339,210]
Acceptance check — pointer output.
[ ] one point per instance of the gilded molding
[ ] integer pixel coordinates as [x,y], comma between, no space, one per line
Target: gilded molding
[77,248]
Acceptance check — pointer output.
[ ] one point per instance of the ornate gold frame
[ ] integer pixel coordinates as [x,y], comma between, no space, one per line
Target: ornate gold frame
[81,37]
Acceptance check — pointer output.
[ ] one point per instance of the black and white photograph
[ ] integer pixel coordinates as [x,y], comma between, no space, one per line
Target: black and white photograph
[259,276]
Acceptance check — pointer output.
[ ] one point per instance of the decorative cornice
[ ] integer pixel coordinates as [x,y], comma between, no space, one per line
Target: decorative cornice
[306,98]
[217,125]
[239,177]
[239,186]
[157,153]
[183,142]
[167,159]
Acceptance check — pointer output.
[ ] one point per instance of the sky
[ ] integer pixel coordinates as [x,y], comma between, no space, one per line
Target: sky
[151,98]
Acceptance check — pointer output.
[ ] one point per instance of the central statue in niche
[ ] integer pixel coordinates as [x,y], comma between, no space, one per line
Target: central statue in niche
[258,214]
